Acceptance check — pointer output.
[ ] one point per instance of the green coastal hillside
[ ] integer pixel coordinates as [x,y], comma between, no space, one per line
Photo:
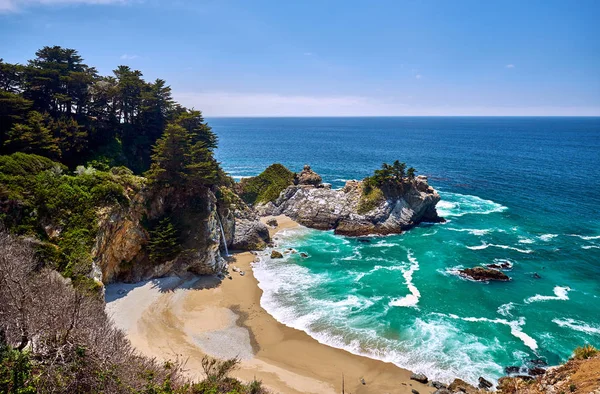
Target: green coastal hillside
[80,152]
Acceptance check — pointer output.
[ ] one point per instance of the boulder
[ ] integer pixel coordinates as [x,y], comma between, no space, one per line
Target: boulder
[308,177]
[485,384]
[419,377]
[304,255]
[537,371]
[276,255]
[482,274]
[459,385]
[438,385]
[512,370]
[272,222]
[442,391]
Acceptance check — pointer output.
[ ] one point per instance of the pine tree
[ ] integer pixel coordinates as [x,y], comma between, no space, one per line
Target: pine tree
[164,241]
[33,137]
[169,158]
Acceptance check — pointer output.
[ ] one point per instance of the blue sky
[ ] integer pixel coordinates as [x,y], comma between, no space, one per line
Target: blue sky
[338,58]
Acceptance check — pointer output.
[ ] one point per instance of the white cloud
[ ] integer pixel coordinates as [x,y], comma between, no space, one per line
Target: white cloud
[129,57]
[510,66]
[16,5]
[308,53]
[273,104]
[418,76]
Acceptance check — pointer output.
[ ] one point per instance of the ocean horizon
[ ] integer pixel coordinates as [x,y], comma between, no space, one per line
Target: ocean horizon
[515,190]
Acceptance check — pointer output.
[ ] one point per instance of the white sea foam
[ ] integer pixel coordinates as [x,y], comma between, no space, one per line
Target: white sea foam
[578,326]
[455,204]
[515,328]
[486,245]
[560,294]
[505,309]
[472,231]
[585,237]
[590,247]
[547,237]
[411,299]
[523,240]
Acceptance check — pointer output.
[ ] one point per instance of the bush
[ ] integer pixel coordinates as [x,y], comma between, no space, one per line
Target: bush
[267,186]
[585,352]
[371,197]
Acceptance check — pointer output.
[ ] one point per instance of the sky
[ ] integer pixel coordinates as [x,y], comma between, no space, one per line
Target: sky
[334,58]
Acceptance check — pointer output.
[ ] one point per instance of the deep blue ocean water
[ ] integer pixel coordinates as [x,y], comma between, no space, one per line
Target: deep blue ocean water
[524,190]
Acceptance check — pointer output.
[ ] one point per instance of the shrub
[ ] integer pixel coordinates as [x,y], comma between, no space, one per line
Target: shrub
[267,186]
[370,198]
[585,352]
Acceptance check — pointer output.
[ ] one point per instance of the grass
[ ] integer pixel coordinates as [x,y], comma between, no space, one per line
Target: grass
[370,198]
[266,186]
[585,352]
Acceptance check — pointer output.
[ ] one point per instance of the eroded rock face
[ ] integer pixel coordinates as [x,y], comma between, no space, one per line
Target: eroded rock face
[484,274]
[308,177]
[249,232]
[325,209]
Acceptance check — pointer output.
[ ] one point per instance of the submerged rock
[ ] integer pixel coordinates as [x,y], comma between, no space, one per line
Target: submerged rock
[304,255]
[419,377]
[501,265]
[276,255]
[483,274]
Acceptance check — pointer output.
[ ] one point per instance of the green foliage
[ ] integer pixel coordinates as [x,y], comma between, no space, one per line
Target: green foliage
[370,198]
[390,178]
[267,185]
[164,241]
[15,372]
[41,199]
[33,137]
[585,352]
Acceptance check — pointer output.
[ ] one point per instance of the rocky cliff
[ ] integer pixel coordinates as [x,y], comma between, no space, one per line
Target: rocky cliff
[317,205]
[121,253]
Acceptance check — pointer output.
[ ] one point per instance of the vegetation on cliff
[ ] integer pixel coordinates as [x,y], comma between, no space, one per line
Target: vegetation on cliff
[388,180]
[267,185]
[56,339]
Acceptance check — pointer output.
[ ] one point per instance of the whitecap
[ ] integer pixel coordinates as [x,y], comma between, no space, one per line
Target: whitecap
[585,237]
[523,240]
[560,294]
[462,204]
[505,309]
[547,237]
[577,326]
[411,299]
[486,245]
[472,231]
[515,328]
[590,247]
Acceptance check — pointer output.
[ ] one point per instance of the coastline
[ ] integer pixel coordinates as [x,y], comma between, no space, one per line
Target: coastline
[185,319]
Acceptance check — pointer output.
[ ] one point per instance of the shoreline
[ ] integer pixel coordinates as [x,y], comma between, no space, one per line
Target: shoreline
[187,318]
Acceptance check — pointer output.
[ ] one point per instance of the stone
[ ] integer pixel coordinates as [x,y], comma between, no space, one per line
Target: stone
[304,255]
[438,385]
[272,222]
[442,391]
[413,391]
[419,377]
[537,371]
[485,384]
[501,265]
[512,370]
[338,209]
[308,177]
[276,255]
[459,385]
[482,274]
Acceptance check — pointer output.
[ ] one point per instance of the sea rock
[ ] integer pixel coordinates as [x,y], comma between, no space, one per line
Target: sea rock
[459,385]
[501,265]
[419,377]
[304,255]
[484,383]
[512,370]
[438,385]
[276,255]
[308,177]
[327,209]
[537,371]
[483,274]
[248,232]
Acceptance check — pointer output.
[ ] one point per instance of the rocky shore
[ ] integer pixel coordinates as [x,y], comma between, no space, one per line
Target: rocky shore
[316,205]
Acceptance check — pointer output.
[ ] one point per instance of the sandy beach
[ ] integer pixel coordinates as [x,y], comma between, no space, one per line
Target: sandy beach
[187,318]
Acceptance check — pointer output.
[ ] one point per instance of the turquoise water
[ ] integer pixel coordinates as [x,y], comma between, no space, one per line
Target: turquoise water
[522,190]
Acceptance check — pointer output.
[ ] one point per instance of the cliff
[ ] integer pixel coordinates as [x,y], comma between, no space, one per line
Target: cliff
[350,211]
[121,253]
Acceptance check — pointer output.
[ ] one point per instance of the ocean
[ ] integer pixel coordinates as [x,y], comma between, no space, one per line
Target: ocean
[523,190]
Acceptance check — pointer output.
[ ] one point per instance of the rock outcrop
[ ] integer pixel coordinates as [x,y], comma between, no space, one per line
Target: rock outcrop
[318,206]
[482,274]
[307,177]
[120,252]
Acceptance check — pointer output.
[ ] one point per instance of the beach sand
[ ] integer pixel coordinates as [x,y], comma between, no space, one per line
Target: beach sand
[187,318]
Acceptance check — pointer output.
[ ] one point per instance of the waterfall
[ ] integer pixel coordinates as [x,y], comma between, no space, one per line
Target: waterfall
[223,235]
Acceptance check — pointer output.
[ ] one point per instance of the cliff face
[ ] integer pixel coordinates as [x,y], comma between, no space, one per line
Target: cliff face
[318,206]
[120,252]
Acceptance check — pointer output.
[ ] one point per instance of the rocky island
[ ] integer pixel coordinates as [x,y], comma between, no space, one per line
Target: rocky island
[387,203]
